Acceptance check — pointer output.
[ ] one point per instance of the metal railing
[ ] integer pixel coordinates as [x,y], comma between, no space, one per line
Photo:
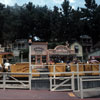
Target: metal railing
[88,79]
[75,75]
[7,80]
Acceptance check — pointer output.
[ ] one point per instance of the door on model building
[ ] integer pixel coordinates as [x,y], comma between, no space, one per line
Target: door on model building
[39,59]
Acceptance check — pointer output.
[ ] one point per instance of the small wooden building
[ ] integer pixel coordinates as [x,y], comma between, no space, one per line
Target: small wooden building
[41,54]
[61,53]
[77,47]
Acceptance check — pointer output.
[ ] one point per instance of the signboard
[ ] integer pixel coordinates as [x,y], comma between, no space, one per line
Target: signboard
[39,49]
[61,50]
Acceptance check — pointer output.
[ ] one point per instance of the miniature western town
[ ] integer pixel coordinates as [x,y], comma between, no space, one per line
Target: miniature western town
[50,53]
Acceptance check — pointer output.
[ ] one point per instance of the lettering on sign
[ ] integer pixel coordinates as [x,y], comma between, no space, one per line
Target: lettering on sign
[61,48]
[38,50]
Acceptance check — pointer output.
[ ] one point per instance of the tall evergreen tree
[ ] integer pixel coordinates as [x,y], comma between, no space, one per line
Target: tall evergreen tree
[88,18]
[66,20]
[2,7]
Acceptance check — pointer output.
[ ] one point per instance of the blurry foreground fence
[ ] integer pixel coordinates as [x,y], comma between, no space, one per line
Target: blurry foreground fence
[57,75]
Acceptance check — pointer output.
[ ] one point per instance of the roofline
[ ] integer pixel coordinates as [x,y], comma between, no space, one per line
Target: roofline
[34,43]
[76,42]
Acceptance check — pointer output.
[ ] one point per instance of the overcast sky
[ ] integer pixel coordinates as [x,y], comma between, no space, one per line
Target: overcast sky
[49,3]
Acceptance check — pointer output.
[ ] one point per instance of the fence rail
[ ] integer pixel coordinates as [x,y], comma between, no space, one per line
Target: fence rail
[91,79]
[55,74]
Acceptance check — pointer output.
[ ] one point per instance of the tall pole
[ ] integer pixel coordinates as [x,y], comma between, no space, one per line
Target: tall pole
[30,42]
[30,69]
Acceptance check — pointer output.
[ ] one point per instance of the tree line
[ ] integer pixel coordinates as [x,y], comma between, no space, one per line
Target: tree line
[54,26]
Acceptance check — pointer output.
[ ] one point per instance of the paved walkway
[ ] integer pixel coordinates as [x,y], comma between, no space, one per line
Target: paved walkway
[38,95]
[35,95]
